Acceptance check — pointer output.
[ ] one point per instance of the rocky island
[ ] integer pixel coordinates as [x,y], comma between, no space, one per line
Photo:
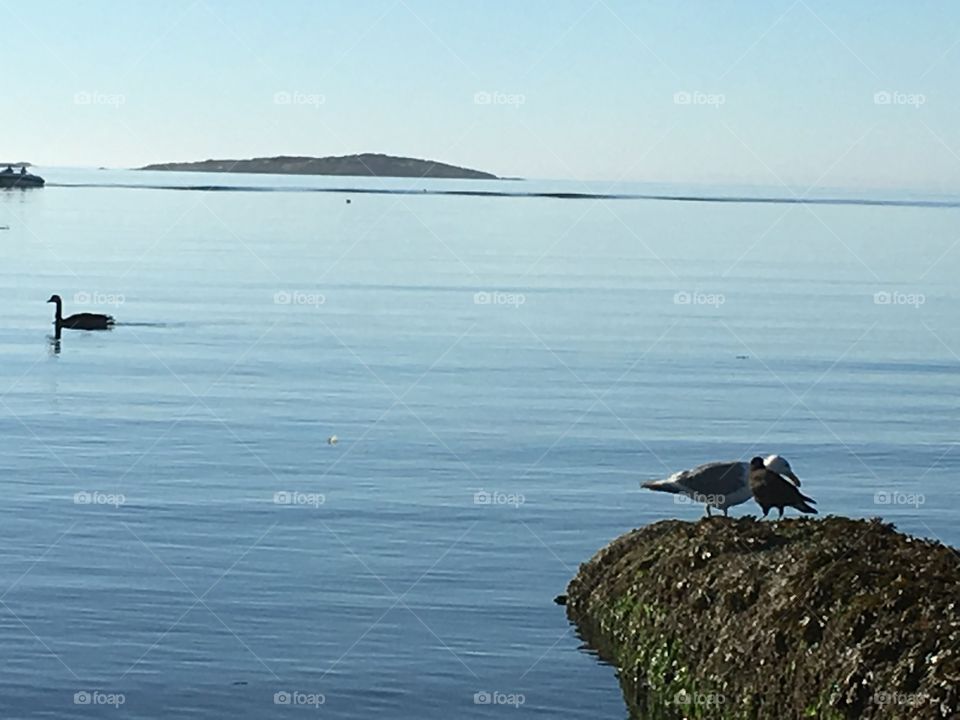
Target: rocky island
[364,165]
[722,618]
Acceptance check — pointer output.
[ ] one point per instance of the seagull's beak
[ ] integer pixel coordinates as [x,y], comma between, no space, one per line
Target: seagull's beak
[796,480]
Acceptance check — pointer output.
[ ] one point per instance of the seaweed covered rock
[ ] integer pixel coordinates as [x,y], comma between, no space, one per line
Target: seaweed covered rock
[725,618]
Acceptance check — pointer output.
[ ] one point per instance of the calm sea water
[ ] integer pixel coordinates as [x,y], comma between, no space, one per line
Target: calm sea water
[543,355]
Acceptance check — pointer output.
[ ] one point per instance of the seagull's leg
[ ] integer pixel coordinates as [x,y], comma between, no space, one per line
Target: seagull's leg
[708,510]
[725,512]
[781,514]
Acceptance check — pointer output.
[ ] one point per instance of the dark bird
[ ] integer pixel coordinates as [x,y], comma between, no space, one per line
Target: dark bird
[770,490]
[80,321]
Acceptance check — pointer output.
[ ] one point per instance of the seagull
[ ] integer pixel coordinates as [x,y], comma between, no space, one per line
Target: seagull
[332,440]
[771,490]
[719,484]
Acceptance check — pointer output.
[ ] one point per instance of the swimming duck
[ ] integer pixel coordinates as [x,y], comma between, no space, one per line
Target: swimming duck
[718,484]
[771,490]
[80,321]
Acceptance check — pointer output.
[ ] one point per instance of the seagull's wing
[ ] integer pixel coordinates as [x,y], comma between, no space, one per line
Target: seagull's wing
[716,478]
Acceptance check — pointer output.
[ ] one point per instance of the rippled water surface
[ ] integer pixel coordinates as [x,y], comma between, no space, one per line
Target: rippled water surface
[500,373]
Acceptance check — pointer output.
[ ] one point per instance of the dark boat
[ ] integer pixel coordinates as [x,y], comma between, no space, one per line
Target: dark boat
[10,178]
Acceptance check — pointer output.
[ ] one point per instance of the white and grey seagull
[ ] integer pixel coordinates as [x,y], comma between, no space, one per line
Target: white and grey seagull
[719,484]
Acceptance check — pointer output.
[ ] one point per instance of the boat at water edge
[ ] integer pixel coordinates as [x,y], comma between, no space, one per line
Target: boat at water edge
[19,179]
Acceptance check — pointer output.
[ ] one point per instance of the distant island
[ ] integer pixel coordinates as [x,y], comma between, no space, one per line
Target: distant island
[364,165]
[16,164]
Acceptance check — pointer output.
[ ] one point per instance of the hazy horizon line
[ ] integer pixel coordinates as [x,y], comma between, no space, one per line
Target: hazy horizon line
[800,188]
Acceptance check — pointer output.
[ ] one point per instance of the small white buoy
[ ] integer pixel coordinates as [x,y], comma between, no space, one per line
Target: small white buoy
[332,440]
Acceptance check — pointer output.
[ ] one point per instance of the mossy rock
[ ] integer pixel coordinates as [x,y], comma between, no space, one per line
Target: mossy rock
[738,618]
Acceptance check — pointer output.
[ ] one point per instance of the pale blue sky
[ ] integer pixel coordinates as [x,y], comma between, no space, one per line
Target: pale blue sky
[123,83]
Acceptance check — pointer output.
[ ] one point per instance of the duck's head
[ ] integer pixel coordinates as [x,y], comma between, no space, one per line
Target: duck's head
[55,299]
[781,467]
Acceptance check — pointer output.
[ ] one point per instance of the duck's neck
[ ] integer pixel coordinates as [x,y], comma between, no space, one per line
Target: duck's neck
[58,317]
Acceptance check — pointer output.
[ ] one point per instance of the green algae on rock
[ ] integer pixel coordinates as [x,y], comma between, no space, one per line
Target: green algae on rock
[722,618]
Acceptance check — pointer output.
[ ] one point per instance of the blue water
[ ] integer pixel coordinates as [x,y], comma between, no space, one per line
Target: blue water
[614,341]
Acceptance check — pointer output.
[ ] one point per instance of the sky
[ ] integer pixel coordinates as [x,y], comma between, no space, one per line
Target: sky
[858,94]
